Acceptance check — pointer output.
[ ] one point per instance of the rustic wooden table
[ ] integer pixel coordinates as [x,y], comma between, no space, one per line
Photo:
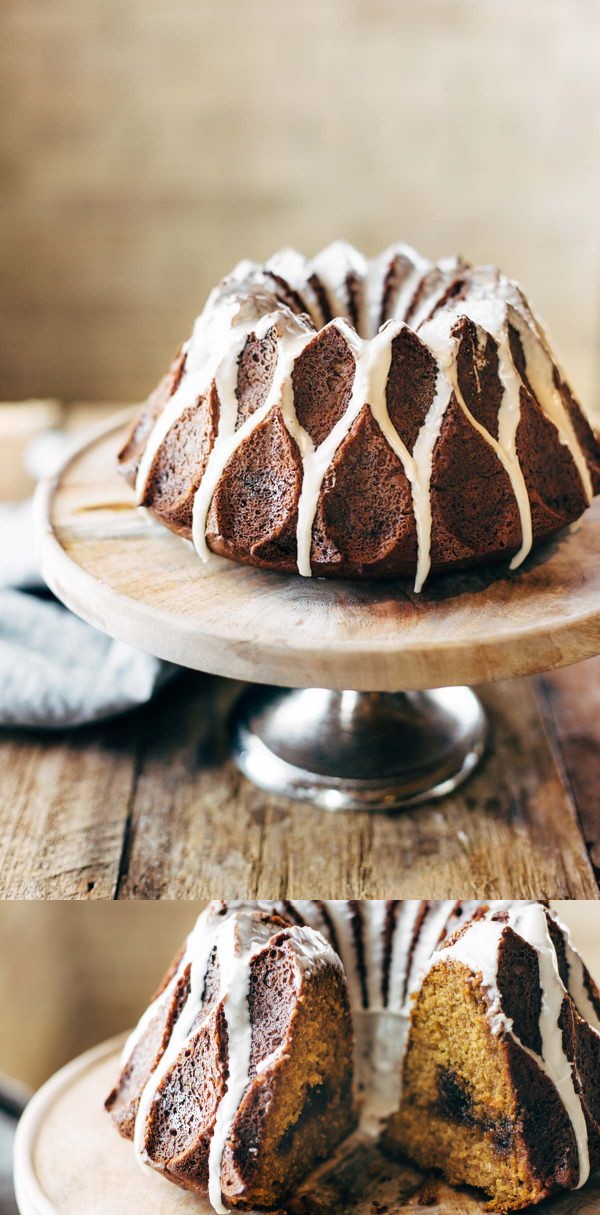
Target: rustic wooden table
[150,806]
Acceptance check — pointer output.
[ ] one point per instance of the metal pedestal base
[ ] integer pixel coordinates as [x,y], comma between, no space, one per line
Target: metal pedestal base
[358,750]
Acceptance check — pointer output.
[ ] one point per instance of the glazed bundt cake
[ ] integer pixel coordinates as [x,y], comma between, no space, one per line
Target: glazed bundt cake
[345,417]
[467,1033]
[239,1077]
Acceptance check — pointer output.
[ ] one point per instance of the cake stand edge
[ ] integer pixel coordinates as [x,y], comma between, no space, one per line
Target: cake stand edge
[31,1199]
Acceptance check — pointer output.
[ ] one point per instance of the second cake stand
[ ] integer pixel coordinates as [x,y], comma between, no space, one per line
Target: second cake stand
[367,703]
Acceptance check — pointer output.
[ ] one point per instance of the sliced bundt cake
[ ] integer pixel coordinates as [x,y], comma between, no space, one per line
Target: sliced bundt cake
[365,418]
[501,1078]
[476,1048]
[239,1077]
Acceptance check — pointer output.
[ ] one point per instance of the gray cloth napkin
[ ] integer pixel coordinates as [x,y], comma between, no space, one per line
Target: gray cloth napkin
[12,1102]
[56,671]
[8,1126]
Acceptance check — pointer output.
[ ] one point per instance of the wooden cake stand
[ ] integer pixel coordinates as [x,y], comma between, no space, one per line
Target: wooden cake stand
[357,725]
[69,1160]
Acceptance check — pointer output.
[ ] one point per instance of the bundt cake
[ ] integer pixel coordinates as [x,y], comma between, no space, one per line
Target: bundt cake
[345,417]
[239,1077]
[467,1033]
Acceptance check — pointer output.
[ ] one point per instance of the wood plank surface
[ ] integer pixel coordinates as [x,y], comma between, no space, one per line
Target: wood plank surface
[63,810]
[512,829]
[572,712]
[150,806]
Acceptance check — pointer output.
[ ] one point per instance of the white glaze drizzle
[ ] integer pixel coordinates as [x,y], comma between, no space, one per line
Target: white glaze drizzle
[386,1025]
[308,910]
[374,917]
[238,937]
[247,303]
[490,315]
[406,917]
[374,285]
[478,949]
[212,353]
[409,287]
[539,362]
[239,942]
[402,295]
[576,979]
[372,364]
[292,338]
[447,270]
[198,949]
[332,266]
[381,1032]
[421,486]
[292,266]
[341,915]
[372,361]
[432,931]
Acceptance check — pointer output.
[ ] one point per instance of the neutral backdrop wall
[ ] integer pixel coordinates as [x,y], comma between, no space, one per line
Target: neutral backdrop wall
[146,145]
[72,974]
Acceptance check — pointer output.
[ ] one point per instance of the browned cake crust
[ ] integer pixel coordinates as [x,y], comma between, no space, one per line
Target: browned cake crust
[296,1107]
[364,524]
[494,1078]
[476,1101]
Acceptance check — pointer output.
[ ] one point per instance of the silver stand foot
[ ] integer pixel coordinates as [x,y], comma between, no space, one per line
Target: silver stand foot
[358,750]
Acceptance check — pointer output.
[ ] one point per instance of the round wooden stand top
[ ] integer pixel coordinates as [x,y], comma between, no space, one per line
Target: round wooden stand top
[133,579]
[70,1160]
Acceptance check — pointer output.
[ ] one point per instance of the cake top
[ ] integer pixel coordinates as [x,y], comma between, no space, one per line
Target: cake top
[370,303]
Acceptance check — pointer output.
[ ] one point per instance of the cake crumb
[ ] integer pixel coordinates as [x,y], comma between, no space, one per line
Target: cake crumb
[427,1196]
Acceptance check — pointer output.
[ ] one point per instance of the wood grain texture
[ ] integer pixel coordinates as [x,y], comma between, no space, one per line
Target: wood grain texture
[152,807]
[132,578]
[512,829]
[63,810]
[69,1159]
[572,711]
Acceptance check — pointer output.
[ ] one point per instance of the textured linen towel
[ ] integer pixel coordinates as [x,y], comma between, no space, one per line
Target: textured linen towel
[56,671]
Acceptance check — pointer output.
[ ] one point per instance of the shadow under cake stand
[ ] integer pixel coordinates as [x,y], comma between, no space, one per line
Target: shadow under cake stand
[69,1160]
[363,699]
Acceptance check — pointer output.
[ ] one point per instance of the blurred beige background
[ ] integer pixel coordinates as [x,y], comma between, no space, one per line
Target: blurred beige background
[72,974]
[146,145]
